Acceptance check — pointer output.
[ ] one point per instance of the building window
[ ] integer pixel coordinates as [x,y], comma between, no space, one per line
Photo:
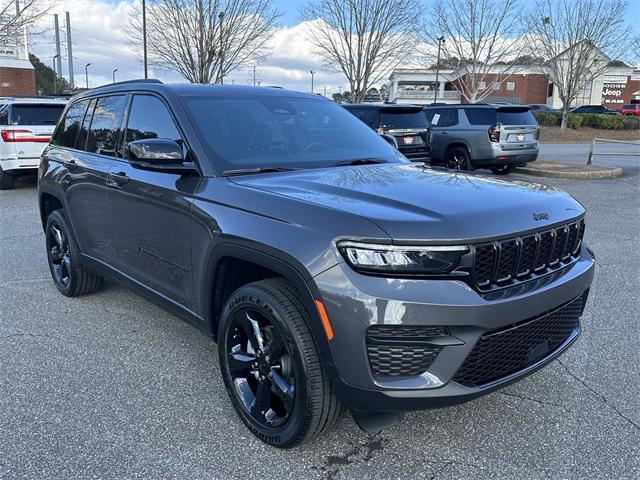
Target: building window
[482,85]
[550,90]
[496,85]
[511,86]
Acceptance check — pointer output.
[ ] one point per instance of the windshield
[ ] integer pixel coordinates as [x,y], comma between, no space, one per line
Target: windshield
[35,114]
[285,132]
[400,119]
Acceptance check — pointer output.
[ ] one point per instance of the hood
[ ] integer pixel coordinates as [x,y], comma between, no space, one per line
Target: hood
[414,202]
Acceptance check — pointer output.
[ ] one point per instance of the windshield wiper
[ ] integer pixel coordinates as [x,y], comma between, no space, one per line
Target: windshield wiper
[249,171]
[358,161]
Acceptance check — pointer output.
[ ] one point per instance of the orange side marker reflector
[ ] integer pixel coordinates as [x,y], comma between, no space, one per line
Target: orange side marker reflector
[325,320]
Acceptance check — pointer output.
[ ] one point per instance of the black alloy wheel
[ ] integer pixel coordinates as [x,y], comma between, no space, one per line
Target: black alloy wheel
[261,368]
[271,367]
[457,158]
[63,255]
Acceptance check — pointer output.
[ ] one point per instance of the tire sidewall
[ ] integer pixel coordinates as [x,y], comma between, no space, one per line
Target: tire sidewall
[255,298]
[58,217]
[467,159]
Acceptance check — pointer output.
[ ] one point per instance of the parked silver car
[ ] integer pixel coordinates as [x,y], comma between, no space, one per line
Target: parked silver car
[498,137]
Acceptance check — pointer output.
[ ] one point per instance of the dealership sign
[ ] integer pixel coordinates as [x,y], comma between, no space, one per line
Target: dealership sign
[612,89]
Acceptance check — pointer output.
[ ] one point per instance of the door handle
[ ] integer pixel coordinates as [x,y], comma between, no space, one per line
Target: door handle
[70,164]
[120,178]
[444,133]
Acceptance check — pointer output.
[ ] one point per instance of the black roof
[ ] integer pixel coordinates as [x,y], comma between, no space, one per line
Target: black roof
[382,106]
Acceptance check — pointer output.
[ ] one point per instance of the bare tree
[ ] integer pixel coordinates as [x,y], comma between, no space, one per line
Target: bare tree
[363,39]
[16,16]
[481,38]
[635,49]
[572,36]
[205,40]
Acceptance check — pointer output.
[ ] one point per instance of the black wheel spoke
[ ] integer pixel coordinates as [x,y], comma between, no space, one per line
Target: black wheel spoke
[249,327]
[274,350]
[282,388]
[241,364]
[262,401]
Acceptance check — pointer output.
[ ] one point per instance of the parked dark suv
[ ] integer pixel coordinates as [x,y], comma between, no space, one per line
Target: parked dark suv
[331,271]
[406,123]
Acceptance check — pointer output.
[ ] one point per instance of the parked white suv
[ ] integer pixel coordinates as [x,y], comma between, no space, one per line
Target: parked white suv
[26,126]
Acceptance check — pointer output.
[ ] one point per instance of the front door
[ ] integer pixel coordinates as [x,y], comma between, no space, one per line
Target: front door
[150,212]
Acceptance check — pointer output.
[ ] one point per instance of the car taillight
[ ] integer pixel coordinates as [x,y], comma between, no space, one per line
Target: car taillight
[494,133]
[11,136]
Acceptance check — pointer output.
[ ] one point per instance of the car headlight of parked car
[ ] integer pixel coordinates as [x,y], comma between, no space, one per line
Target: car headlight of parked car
[412,260]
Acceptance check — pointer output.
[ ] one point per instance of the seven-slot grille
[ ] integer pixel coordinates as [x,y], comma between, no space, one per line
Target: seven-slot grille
[502,263]
[402,350]
[505,351]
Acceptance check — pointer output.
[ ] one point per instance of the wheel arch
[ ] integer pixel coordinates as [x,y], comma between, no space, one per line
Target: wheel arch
[47,203]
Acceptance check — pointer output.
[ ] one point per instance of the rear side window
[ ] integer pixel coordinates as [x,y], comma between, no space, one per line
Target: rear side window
[28,114]
[106,124]
[444,117]
[67,131]
[367,115]
[84,129]
[480,116]
[516,117]
[149,118]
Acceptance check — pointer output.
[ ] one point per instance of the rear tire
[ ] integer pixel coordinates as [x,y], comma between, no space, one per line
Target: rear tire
[63,255]
[504,170]
[7,180]
[457,158]
[270,365]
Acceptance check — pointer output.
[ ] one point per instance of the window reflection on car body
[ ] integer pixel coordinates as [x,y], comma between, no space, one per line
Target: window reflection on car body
[249,171]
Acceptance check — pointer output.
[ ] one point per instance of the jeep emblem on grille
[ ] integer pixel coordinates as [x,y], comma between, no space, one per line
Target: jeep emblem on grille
[541,216]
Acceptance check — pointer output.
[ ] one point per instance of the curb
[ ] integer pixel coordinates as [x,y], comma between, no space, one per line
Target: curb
[596,173]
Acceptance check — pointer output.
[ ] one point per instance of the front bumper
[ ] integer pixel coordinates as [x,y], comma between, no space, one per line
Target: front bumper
[354,302]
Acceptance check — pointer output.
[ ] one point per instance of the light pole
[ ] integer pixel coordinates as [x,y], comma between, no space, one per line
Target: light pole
[114,74]
[144,37]
[220,49]
[86,73]
[435,93]
[312,74]
[55,76]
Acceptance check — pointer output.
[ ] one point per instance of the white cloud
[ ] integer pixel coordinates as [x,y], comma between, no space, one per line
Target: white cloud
[99,36]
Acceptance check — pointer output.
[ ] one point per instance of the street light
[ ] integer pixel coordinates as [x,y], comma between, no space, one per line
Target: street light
[144,37]
[220,49]
[86,73]
[114,74]
[312,73]
[435,92]
[55,77]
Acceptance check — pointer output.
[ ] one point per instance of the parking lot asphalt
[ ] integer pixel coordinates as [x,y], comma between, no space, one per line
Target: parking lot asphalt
[110,386]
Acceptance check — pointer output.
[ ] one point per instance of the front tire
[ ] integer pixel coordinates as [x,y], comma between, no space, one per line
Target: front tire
[503,170]
[63,255]
[270,365]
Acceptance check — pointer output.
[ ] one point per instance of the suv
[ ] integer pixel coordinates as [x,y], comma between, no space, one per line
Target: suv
[465,137]
[406,123]
[330,270]
[595,109]
[631,109]
[26,125]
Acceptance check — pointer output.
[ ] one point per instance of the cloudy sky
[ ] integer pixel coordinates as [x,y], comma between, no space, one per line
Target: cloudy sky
[98,32]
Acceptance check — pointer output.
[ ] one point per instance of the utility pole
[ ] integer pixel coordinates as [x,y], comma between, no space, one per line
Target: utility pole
[220,49]
[114,74]
[437,87]
[55,77]
[144,37]
[325,91]
[69,52]
[312,73]
[56,28]
[86,73]
[254,75]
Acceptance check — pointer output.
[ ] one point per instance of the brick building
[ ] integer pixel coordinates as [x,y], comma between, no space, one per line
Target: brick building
[17,77]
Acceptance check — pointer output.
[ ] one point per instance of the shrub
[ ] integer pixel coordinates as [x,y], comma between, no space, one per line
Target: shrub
[573,120]
[601,121]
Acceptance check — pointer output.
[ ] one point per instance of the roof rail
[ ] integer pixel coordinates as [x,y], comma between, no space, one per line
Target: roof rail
[125,82]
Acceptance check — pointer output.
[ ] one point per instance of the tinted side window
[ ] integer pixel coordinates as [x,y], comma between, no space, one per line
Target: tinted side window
[149,118]
[481,116]
[444,117]
[84,129]
[105,125]
[67,131]
[4,114]
[367,115]
[516,117]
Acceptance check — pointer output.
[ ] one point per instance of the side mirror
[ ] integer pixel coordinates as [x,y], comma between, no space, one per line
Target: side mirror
[390,139]
[159,155]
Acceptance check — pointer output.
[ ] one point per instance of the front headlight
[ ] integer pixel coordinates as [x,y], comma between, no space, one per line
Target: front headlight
[414,260]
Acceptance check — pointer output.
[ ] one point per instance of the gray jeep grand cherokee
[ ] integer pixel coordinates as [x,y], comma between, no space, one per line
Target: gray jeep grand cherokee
[331,271]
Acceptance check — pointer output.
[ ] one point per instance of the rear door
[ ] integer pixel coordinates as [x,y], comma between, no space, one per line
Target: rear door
[442,120]
[30,128]
[518,128]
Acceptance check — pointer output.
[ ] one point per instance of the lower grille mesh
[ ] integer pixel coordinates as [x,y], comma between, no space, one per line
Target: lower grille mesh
[502,352]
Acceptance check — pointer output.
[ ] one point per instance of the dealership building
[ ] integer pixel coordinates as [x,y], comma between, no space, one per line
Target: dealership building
[617,85]
[17,75]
